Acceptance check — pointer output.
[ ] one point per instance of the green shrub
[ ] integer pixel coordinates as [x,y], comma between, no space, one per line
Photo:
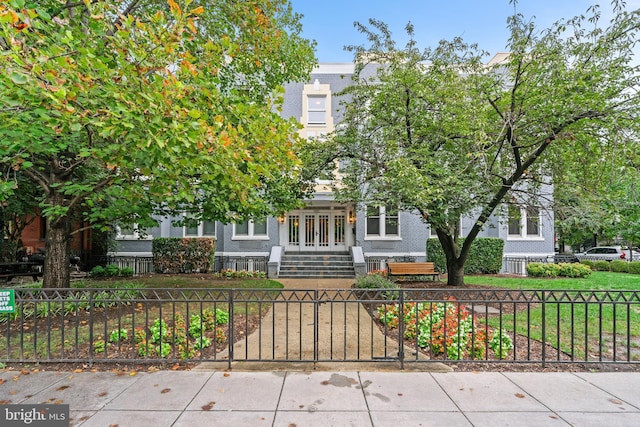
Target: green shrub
[111,270]
[539,269]
[485,255]
[619,266]
[178,255]
[574,269]
[634,267]
[126,272]
[377,281]
[589,263]
[602,265]
[563,269]
[97,271]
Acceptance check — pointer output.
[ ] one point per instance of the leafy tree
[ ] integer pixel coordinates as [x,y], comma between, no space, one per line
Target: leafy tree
[440,132]
[17,215]
[623,197]
[126,109]
[591,187]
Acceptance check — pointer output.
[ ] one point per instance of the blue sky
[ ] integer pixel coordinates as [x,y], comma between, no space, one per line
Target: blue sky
[330,22]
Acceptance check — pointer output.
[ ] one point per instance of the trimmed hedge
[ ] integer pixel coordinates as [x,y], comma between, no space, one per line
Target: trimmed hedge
[563,269]
[602,265]
[183,255]
[485,255]
[616,265]
[591,264]
[619,266]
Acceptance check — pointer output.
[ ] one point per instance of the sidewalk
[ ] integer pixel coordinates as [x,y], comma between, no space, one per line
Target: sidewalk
[241,398]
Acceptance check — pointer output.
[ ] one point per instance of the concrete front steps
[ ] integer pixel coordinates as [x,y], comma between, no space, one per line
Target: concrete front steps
[317,265]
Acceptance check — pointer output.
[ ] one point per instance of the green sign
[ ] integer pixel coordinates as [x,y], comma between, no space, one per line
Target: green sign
[7,301]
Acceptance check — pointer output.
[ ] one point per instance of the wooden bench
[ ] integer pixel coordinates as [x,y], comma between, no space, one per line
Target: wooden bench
[412,269]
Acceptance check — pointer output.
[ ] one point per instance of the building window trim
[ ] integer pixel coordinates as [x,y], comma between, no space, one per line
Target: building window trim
[135,235]
[524,224]
[200,231]
[251,234]
[315,113]
[382,225]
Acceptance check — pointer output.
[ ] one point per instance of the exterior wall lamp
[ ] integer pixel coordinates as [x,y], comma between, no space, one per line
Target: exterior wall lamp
[351,218]
[281,219]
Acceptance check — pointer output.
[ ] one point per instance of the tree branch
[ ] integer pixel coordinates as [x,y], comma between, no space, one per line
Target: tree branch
[517,175]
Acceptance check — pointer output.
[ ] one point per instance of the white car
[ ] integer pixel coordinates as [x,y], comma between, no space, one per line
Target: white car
[608,253]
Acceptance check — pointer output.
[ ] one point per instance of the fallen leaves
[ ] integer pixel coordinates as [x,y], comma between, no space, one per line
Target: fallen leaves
[208,406]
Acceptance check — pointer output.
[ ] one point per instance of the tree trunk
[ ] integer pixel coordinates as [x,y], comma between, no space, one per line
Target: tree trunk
[455,258]
[56,260]
[455,272]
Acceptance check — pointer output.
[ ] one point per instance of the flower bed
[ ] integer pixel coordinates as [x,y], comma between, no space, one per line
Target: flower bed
[445,329]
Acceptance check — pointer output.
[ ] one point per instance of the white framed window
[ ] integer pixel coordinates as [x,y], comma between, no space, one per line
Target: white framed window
[524,223]
[251,230]
[316,109]
[382,222]
[132,232]
[203,229]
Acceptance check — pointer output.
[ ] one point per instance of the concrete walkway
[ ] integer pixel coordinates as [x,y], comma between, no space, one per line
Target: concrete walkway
[239,398]
[288,330]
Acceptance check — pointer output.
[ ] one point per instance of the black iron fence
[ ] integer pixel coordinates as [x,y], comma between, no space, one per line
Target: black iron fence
[266,325]
[144,265]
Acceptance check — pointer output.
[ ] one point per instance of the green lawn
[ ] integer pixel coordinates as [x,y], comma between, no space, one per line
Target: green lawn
[599,280]
[586,328]
[184,281]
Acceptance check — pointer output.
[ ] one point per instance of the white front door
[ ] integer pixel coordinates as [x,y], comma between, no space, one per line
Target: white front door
[319,231]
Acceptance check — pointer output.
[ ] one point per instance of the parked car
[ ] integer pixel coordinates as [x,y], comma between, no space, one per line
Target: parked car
[608,253]
[565,258]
